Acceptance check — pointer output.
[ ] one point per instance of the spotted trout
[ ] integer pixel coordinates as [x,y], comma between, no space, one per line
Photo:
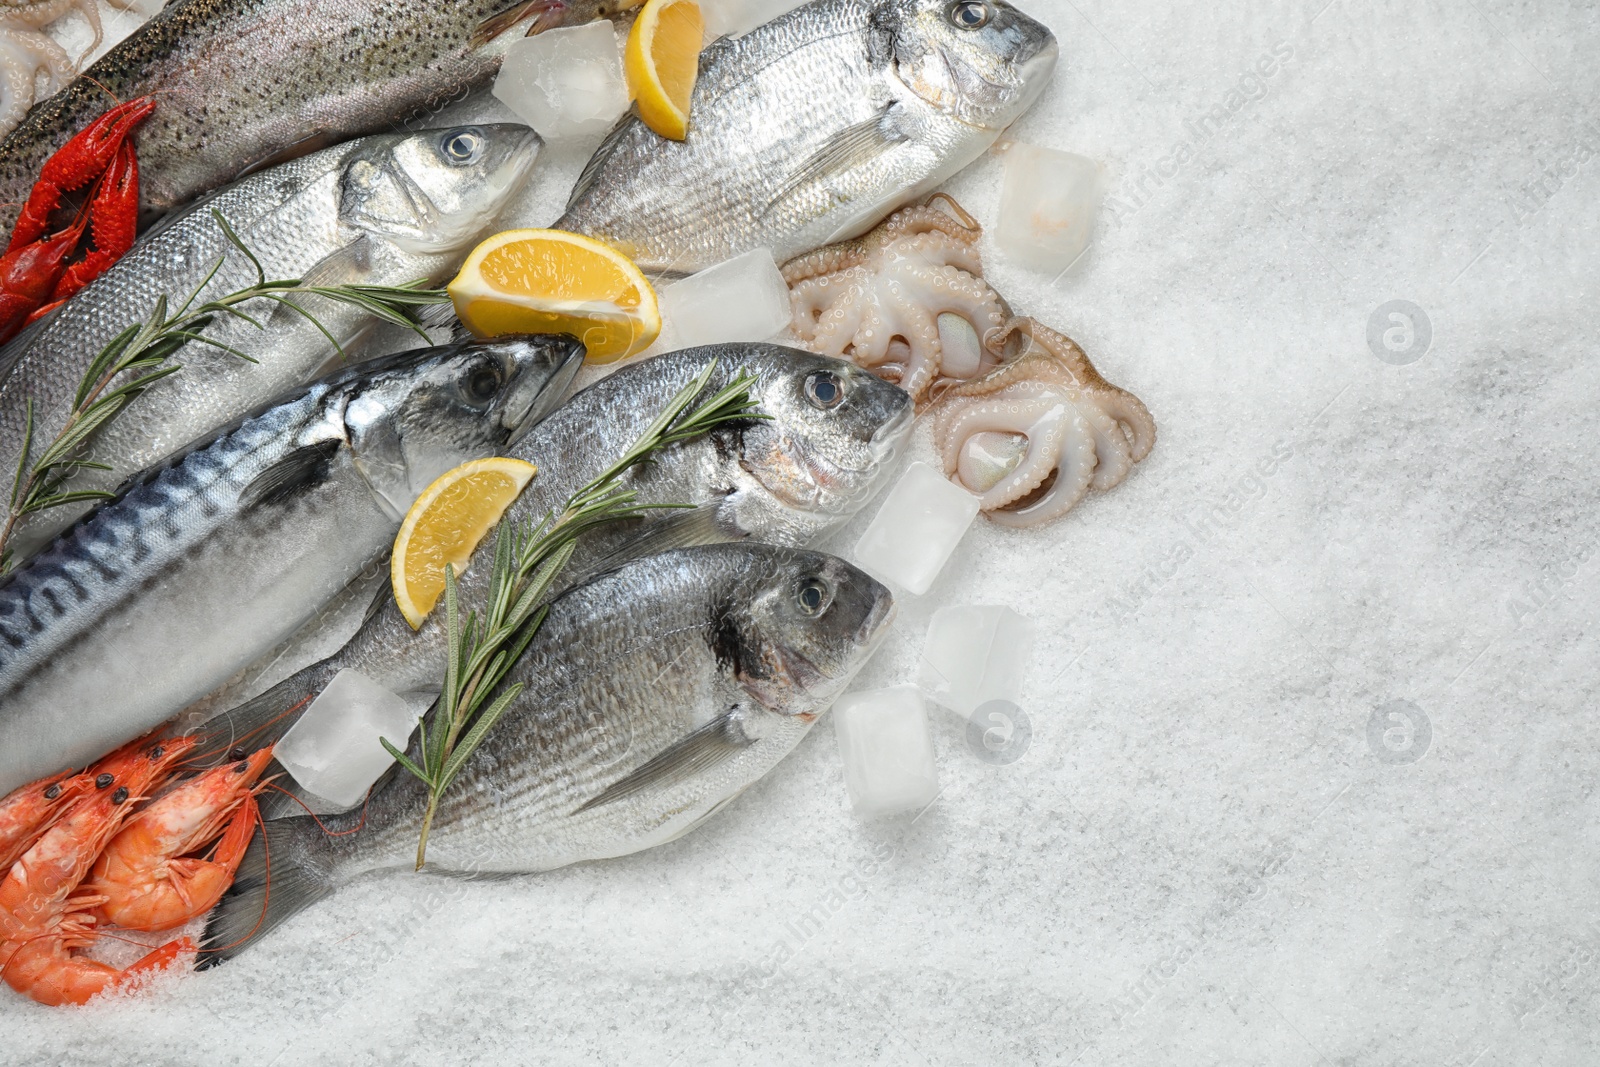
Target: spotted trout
[243,84]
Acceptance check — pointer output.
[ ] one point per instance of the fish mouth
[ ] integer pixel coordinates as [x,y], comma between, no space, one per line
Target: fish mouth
[888,438]
[875,627]
[536,396]
[1035,70]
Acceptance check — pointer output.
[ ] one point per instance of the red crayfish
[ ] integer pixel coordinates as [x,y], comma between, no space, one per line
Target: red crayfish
[35,273]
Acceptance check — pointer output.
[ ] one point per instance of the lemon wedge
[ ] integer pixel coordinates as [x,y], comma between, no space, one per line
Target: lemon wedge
[446,524]
[552,281]
[661,61]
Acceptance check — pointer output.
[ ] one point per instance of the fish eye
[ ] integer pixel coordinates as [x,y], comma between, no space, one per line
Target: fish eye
[812,595]
[968,14]
[824,389]
[483,384]
[462,147]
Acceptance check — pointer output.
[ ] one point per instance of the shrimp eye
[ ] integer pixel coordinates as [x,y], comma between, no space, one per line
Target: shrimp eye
[120,795]
[236,753]
[969,14]
[52,792]
[824,389]
[157,752]
[102,781]
[483,384]
[812,595]
[463,147]
[241,768]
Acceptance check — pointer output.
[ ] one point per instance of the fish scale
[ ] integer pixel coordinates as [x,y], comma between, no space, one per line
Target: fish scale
[207,561]
[651,700]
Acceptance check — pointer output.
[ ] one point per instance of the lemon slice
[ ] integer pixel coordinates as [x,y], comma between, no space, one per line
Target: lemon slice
[552,281]
[661,61]
[446,524]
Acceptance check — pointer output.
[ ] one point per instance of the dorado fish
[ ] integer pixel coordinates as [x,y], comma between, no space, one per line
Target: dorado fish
[243,84]
[655,694]
[385,210]
[812,128]
[206,561]
[834,433]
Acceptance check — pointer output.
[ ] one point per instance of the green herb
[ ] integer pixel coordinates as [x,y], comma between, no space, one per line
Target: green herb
[137,357]
[527,560]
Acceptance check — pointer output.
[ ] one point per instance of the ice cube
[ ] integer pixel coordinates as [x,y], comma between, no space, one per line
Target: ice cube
[731,18]
[975,653]
[921,522]
[741,299]
[565,83]
[1047,207]
[887,750]
[333,750]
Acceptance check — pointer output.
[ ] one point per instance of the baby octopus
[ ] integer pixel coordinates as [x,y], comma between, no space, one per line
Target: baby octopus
[905,301]
[26,53]
[1031,437]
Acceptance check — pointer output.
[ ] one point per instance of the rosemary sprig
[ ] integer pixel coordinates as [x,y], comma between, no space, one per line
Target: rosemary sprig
[138,357]
[527,560]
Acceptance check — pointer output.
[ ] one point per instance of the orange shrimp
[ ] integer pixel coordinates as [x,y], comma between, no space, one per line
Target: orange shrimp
[27,813]
[143,877]
[43,917]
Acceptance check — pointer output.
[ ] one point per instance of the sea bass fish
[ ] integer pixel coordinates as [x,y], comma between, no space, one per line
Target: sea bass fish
[243,84]
[812,128]
[834,433]
[208,560]
[655,694]
[384,210]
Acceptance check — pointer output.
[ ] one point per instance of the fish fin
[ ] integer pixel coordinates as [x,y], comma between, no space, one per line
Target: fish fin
[850,148]
[265,718]
[303,469]
[682,528]
[716,741]
[539,10]
[597,162]
[279,876]
[316,142]
[439,316]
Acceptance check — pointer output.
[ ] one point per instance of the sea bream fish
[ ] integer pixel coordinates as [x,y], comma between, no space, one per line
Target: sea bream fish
[208,560]
[656,694]
[384,210]
[812,128]
[243,84]
[834,433]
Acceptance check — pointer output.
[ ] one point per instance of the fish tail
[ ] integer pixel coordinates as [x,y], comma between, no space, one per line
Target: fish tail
[264,719]
[288,868]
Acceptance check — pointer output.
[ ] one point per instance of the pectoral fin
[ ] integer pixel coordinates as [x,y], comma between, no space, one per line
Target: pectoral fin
[718,740]
[851,147]
[300,471]
[547,14]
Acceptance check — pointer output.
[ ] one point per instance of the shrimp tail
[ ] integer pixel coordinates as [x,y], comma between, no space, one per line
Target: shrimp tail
[287,868]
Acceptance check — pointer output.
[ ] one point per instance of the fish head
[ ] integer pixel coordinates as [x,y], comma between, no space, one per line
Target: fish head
[413,416]
[833,433]
[796,631]
[435,191]
[980,61]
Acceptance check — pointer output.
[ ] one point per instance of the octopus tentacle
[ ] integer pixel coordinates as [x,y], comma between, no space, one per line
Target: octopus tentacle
[23,55]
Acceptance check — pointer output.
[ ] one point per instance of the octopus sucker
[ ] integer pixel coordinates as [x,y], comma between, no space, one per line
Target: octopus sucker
[1022,419]
[24,55]
[1033,436]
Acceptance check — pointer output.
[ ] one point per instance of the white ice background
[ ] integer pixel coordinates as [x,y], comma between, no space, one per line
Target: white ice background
[1219,847]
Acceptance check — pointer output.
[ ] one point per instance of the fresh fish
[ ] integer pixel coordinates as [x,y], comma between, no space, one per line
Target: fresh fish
[384,210]
[244,84]
[812,128]
[835,433]
[206,561]
[655,695]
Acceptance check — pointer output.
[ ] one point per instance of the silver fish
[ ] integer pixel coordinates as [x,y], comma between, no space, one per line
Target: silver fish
[812,128]
[835,432]
[384,210]
[205,562]
[244,84]
[655,695]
